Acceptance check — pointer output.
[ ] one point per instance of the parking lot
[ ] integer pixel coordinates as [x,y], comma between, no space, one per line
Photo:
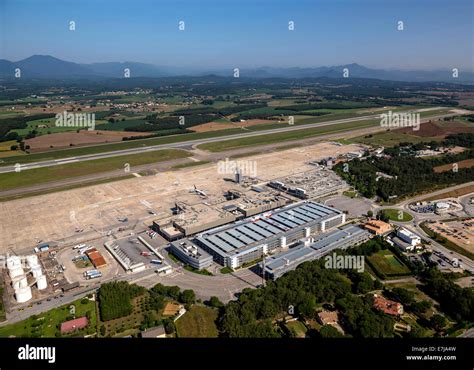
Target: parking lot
[75,272]
[355,207]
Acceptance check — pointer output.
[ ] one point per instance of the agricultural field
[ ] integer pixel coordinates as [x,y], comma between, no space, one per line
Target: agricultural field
[62,140]
[5,149]
[198,322]
[385,263]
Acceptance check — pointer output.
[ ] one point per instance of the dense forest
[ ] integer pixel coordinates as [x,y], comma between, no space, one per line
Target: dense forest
[457,302]
[410,174]
[115,299]
[252,314]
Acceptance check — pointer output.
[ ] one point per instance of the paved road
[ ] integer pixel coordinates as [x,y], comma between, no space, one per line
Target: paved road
[185,144]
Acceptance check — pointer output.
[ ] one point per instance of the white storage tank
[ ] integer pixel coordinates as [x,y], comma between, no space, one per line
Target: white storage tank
[15,272]
[36,271]
[16,282]
[32,260]
[23,294]
[41,282]
[13,262]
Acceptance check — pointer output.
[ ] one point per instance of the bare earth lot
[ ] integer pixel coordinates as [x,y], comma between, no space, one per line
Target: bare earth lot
[83,137]
[430,129]
[467,163]
[216,126]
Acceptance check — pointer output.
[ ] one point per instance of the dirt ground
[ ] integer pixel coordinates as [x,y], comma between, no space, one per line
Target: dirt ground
[467,163]
[216,126]
[430,129]
[96,209]
[83,137]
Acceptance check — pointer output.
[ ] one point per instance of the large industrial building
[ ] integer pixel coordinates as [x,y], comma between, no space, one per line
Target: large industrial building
[192,219]
[247,240]
[347,236]
[314,184]
[189,253]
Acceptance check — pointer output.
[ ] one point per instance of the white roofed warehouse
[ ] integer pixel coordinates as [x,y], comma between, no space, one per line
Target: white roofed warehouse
[247,240]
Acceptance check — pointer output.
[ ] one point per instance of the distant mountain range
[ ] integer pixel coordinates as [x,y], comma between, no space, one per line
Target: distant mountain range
[48,67]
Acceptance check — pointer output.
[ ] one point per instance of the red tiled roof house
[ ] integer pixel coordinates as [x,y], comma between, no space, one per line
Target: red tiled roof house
[73,325]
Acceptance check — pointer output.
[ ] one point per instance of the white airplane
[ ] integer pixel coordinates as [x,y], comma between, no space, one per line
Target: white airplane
[198,191]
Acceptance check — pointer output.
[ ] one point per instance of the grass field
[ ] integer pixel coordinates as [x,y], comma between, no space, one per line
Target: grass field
[397,215]
[66,171]
[386,263]
[104,148]
[2,306]
[297,327]
[47,324]
[198,322]
[5,149]
[285,136]
[190,164]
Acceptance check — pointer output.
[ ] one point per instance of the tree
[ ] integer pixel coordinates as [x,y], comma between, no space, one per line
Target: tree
[215,302]
[102,330]
[437,322]
[14,147]
[173,292]
[308,306]
[370,213]
[405,296]
[329,331]
[188,296]
[169,326]
[420,307]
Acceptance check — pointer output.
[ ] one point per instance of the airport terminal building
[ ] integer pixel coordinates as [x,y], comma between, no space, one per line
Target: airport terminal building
[245,241]
[347,236]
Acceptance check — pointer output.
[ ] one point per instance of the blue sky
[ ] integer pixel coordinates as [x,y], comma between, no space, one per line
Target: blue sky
[243,33]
